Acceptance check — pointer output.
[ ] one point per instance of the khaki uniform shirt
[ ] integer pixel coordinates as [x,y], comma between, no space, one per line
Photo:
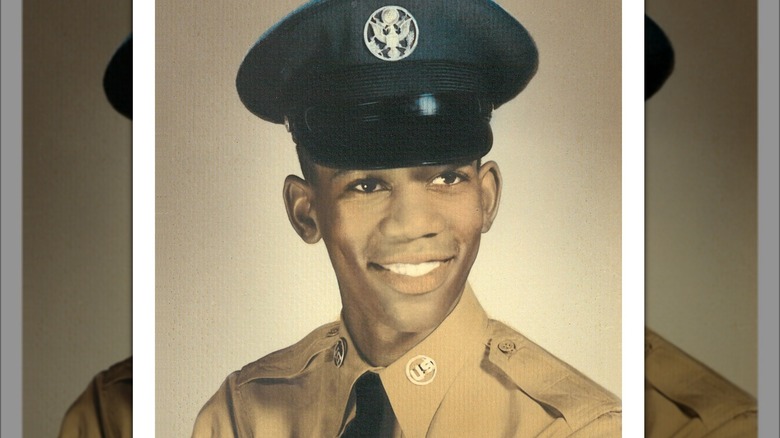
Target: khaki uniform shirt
[684,398]
[105,408]
[484,380]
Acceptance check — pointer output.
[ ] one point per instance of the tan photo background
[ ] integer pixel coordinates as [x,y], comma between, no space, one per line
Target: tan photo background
[700,187]
[77,149]
[234,281]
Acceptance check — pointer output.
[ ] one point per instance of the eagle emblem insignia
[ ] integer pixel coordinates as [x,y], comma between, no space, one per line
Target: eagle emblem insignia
[391,33]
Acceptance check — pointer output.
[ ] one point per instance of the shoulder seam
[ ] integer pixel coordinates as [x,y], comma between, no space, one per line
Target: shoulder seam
[290,361]
[549,380]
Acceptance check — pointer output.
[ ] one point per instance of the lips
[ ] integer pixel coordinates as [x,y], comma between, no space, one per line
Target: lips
[412,269]
[413,276]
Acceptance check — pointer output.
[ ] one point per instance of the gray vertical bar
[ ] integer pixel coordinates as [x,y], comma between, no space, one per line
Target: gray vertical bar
[11,221]
[768,219]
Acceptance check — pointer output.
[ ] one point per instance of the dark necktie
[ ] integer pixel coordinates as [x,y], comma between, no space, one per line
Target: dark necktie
[372,408]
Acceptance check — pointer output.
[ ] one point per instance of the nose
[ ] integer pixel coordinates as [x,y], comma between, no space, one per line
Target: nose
[412,215]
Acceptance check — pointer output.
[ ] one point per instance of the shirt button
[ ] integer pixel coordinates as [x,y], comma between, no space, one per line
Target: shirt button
[507,346]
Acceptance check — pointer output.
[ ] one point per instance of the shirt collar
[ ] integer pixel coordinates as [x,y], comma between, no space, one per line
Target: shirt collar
[337,383]
[460,338]
[454,343]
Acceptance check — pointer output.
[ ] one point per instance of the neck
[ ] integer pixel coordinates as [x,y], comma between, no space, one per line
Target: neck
[379,344]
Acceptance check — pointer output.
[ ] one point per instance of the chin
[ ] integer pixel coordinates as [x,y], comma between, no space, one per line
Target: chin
[419,313]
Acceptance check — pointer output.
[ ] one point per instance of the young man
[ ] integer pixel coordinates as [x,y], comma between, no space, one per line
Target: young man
[390,107]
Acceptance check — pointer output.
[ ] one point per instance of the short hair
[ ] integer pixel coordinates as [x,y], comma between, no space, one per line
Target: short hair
[307,164]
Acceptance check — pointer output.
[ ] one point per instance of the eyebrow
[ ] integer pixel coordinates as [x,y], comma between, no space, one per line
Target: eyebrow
[438,168]
[425,172]
[340,172]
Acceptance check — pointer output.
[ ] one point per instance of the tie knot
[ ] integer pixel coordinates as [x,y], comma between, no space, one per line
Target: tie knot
[369,392]
[373,411]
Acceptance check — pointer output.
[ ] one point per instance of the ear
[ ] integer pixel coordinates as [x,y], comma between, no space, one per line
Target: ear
[490,182]
[298,197]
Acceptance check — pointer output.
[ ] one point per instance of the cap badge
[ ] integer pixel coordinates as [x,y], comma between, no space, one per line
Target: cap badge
[421,370]
[391,33]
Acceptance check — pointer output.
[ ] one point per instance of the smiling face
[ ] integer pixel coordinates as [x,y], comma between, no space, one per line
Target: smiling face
[401,241]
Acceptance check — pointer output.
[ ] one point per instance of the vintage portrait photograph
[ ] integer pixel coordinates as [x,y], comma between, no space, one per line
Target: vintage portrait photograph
[388,218]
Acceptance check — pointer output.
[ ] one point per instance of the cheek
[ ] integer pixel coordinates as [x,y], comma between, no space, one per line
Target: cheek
[466,217]
[349,229]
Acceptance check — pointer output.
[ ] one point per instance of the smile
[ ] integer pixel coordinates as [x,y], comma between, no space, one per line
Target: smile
[412,270]
[413,274]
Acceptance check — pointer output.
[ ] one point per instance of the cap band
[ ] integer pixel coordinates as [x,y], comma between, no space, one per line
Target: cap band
[389,111]
[398,132]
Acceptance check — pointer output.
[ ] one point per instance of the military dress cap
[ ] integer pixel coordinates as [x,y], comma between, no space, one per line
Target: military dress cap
[371,84]
[118,79]
[659,57]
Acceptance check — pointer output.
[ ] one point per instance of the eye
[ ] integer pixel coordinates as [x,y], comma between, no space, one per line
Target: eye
[449,178]
[369,185]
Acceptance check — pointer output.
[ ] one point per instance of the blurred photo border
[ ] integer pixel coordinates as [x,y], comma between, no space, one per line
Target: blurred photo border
[143,217]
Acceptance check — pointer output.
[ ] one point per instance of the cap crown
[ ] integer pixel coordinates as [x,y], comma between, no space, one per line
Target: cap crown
[427,66]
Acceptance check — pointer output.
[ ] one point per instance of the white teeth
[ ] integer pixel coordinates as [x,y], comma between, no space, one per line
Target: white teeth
[412,270]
